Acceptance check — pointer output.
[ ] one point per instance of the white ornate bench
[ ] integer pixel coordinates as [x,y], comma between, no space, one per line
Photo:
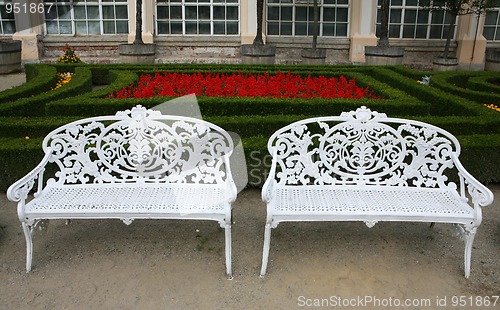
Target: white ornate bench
[137,164]
[365,166]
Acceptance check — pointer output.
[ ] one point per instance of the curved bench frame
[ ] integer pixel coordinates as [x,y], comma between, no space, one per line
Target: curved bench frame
[365,166]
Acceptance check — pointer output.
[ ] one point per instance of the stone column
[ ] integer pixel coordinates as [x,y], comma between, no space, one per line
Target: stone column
[248,20]
[148,11]
[28,30]
[471,43]
[362,28]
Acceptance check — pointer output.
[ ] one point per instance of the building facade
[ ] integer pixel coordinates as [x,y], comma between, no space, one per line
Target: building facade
[212,31]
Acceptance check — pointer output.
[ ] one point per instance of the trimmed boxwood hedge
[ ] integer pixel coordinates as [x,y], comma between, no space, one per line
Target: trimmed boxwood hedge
[35,105]
[36,111]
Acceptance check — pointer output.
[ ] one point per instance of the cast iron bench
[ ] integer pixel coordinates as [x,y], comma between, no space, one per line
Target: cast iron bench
[365,166]
[137,164]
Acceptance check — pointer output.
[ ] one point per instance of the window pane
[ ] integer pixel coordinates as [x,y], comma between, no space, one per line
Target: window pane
[52,27]
[122,27]
[219,12]
[408,31]
[489,33]
[93,12]
[423,17]
[204,28]
[395,16]
[80,12]
[219,28]
[191,12]
[94,28]
[162,12]
[286,29]
[64,12]
[176,12]
[109,27]
[394,31]
[232,13]
[301,29]
[191,28]
[176,28]
[273,28]
[9,27]
[65,27]
[341,30]
[301,13]
[273,13]
[329,14]
[435,32]
[328,29]
[342,15]
[163,28]
[108,12]
[421,32]
[410,16]
[81,27]
[121,12]
[286,13]
[203,12]
[491,18]
[232,28]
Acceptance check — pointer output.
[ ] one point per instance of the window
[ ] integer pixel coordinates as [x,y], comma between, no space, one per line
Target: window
[87,17]
[491,29]
[296,17]
[198,17]
[7,23]
[410,19]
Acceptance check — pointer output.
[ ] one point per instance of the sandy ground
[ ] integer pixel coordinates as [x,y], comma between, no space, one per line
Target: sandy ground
[104,264]
[153,264]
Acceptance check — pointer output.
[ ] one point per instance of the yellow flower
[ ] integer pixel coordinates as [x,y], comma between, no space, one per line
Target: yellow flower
[27,137]
[493,107]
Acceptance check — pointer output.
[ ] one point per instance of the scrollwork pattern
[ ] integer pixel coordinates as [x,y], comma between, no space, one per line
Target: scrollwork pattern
[140,145]
[362,147]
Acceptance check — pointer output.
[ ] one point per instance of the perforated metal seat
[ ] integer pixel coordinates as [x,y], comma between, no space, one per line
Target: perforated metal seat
[119,201]
[384,203]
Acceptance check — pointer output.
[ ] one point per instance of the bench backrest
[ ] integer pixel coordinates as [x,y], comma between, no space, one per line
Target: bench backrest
[140,145]
[364,148]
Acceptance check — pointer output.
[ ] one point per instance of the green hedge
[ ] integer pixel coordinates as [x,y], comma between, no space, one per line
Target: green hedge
[35,105]
[39,79]
[37,110]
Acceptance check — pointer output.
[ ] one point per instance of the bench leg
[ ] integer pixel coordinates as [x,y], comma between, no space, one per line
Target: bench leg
[265,251]
[469,239]
[28,235]
[229,272]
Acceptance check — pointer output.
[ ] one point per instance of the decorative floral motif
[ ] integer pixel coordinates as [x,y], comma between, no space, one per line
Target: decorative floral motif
[362,147]
[144,141]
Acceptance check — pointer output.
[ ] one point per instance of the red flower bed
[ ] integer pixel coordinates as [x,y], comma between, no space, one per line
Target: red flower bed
[280,85]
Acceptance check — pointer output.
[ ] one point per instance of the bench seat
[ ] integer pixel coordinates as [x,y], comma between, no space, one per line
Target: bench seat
[159,201]
[386,203]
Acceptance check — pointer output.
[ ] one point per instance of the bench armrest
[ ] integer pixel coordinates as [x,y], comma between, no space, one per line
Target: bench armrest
[480,194]
[268,185]
[21,188]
